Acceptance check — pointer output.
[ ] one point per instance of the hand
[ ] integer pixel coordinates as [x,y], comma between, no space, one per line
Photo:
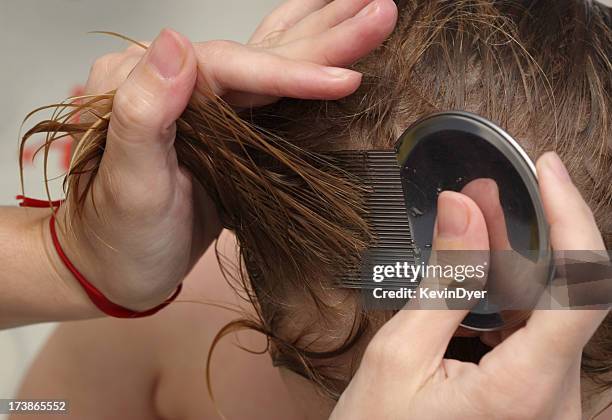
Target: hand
[151,223]
[533,374]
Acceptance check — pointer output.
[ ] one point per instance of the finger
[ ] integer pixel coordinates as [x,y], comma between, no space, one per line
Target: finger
[145,107]
[512,277]
[138,48]
[553,339]
[229,66]
[284,17]
[110,71]
[347,42]
[460,226]
[325,18]
[485,194]
[572,225]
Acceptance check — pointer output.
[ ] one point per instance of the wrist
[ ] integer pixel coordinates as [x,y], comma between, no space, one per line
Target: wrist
[112,272]
[69,298]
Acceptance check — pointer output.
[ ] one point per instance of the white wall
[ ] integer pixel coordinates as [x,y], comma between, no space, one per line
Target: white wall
[45,50]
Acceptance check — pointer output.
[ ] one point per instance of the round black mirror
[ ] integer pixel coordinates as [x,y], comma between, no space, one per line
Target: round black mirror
[462,152]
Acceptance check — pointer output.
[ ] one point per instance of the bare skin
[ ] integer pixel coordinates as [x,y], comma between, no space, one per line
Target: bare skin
[154,368]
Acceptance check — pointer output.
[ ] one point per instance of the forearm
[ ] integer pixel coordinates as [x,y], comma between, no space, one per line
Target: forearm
[36,287]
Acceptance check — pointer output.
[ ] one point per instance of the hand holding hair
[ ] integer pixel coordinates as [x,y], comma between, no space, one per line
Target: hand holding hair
[532,373]
[134,221]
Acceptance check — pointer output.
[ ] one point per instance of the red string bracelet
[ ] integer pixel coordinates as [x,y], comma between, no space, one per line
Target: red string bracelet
[98,299]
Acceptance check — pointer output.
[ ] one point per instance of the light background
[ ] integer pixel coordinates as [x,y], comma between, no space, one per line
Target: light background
[44,51]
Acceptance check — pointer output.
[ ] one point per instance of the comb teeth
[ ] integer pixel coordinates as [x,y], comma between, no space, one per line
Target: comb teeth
[386,213]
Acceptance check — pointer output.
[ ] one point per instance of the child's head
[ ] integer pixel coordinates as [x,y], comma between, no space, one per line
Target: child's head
[540,69]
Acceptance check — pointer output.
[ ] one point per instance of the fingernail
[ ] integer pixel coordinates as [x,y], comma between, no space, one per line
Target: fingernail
[368,10]
[555,164]
[453,215]
[338,72]
[167,54]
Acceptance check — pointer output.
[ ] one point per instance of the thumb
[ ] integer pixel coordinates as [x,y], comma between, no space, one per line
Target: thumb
[142,126]
[460,238]
[425,334]
[460,226]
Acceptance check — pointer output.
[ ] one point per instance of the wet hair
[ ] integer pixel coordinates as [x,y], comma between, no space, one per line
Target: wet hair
[540,69]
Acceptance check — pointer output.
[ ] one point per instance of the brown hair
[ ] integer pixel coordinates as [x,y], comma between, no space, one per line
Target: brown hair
[540,69]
